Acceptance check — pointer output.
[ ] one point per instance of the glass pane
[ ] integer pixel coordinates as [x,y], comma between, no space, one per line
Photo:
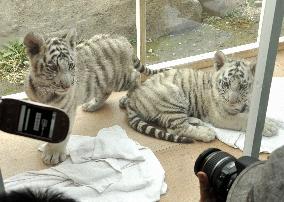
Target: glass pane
[55,18]
[177,29]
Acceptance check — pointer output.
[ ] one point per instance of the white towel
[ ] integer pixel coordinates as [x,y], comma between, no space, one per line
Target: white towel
[275,110]
[109,167]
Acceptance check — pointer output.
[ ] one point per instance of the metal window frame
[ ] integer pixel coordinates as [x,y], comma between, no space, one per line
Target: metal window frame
[141,30]
[267,43]
[2,188]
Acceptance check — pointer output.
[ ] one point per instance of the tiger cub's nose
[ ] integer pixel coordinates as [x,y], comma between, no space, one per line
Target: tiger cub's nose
[65,85]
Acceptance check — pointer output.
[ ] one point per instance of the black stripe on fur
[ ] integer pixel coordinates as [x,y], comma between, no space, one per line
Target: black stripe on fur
[153,130]
[142,69]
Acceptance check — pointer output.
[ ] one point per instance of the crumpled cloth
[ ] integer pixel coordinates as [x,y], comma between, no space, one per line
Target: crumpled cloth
[106,168]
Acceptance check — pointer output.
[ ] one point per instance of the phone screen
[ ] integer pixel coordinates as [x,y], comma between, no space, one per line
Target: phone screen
[36,121]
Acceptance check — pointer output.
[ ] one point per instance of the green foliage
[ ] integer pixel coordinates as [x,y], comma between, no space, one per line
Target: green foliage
[13,62]
[133,41]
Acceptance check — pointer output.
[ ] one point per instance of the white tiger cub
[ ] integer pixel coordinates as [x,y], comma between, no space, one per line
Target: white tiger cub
[181,100]
[65,75]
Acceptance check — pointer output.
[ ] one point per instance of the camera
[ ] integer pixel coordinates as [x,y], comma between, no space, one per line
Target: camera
[33,120]
[222,169]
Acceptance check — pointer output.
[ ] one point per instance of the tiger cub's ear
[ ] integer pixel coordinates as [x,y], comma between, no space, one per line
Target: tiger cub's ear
[71,38]
[33,43]
[219,59]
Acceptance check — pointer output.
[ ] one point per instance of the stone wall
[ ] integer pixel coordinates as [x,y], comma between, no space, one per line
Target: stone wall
[56,17]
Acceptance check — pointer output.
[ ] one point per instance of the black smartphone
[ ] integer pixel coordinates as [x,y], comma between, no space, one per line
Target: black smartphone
[34,120]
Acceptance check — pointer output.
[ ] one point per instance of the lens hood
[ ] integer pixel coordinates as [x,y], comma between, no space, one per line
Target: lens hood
[200,160]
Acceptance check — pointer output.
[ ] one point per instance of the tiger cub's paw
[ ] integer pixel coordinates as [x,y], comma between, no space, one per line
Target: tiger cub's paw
[90,107]
[52,157]
[123,102]
[270,128]
[205,134]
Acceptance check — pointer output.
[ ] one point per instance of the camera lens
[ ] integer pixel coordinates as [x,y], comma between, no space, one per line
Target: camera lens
[219,167]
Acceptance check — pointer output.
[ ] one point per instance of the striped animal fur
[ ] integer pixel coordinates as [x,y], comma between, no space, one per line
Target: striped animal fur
[182,100]
[66,75]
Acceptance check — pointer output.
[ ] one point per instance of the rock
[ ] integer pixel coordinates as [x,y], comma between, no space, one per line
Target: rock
[95,16]
[220,7]
[169,17]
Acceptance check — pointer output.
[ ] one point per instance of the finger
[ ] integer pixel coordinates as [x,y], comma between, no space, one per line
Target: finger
[204,186]
[203,180]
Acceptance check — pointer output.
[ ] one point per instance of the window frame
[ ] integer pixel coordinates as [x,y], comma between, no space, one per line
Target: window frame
[268,47]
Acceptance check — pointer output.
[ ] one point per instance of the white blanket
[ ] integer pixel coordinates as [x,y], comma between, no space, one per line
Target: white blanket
[275,110]
[106,168]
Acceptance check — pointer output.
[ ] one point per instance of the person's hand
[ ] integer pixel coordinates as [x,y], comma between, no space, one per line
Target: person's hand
[206,192]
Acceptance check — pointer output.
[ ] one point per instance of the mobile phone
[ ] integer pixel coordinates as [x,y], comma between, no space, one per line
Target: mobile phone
[33,120]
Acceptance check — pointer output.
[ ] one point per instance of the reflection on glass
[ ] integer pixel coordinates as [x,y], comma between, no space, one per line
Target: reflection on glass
[187,28]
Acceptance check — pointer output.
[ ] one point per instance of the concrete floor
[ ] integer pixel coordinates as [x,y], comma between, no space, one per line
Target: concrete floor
[18,154]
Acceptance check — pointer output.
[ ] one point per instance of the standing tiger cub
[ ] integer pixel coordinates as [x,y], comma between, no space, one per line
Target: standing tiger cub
[181,100]
[65,75]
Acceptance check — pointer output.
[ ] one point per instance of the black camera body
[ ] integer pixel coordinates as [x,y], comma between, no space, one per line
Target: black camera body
[222,169]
